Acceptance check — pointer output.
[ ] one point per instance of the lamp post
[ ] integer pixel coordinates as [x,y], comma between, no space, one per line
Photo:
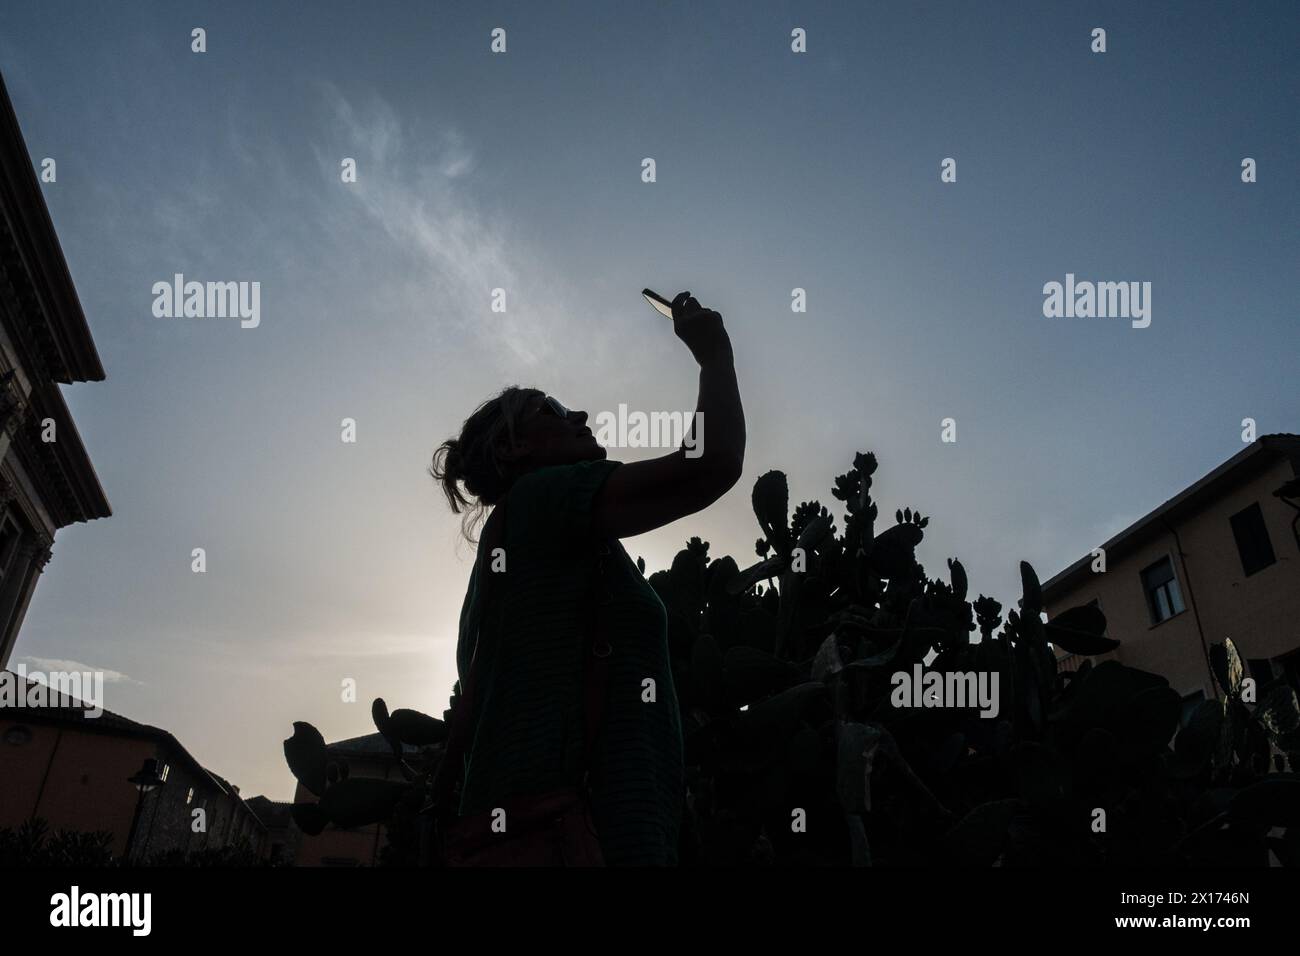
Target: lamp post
[151,775]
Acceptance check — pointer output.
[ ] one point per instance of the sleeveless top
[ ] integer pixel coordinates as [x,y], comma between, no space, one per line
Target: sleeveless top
[528,719]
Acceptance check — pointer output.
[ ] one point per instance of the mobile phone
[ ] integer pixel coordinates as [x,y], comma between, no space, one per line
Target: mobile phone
[662,305]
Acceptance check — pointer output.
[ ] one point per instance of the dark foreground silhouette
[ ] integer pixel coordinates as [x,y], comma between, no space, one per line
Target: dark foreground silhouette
[797,755]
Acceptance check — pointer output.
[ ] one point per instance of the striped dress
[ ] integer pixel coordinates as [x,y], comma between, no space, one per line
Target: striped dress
[528,724]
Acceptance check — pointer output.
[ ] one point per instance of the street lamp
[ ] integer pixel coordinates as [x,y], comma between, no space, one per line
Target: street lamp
[151,775]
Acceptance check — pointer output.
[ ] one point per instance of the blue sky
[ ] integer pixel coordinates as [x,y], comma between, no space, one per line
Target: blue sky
[522,171]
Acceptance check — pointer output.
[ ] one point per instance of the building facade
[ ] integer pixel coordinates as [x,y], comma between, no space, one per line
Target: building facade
[72,770]
[1219,560]
[46,478]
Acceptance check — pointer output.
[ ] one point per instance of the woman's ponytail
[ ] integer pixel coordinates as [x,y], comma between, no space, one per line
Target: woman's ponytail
[472,459]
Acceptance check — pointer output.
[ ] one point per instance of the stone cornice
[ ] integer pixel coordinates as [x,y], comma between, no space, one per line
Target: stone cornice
[35,271]
[51,343]
[39,550]
[13,403]
[70,488]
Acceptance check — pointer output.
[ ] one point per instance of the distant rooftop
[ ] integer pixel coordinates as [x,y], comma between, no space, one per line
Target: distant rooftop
[73,712]
[272,813]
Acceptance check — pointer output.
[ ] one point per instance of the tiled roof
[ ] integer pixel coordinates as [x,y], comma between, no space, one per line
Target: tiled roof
[272,813]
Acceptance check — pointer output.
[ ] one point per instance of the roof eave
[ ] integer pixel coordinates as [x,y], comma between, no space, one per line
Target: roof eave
[1273,446]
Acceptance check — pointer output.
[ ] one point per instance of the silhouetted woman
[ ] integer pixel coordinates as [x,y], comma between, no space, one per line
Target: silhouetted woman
[563,497]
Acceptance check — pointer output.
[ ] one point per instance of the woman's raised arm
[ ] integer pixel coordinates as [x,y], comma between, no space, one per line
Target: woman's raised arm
[641,496]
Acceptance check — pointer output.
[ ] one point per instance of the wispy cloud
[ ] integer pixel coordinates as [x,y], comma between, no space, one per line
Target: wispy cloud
[456,160]
[51,664]
[417,185]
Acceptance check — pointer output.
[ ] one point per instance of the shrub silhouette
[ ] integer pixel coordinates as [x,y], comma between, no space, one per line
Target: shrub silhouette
[34,844]
[785,699]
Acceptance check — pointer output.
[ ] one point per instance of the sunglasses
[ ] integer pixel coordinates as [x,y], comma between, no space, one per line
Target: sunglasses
[555,406]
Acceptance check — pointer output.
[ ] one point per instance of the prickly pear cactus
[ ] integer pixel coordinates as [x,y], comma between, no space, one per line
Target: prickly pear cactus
[798,751]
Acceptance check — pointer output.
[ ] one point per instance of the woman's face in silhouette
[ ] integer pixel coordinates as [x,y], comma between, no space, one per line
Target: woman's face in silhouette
[549,434]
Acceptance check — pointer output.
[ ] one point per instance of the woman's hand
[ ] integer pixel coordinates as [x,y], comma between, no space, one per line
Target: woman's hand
[701,329]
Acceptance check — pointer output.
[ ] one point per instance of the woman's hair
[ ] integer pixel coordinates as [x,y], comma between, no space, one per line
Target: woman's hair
[473,458]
